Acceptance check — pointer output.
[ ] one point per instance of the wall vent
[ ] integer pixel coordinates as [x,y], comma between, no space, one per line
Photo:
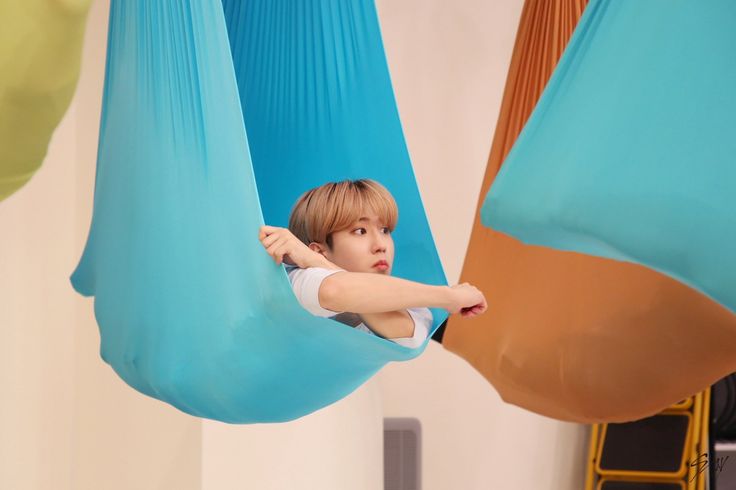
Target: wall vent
[402,454]
[725,465]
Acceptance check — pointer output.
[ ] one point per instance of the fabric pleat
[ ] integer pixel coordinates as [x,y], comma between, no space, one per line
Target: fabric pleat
[629,153]
[567,335]
[216,115]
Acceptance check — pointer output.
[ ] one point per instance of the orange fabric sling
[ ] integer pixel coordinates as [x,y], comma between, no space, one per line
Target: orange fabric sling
[571,336]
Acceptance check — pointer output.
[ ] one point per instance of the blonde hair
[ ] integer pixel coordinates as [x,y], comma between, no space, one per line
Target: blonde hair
[334,206]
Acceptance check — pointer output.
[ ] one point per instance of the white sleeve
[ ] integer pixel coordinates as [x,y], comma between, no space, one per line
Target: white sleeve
[306,283]
[422,324]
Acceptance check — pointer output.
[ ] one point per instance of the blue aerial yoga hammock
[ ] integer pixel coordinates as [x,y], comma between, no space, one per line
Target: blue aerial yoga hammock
[191,309]
[630,153]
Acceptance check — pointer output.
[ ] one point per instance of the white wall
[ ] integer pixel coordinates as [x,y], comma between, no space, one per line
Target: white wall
[338,447]
[449,62]
[122,439]
[37,327]
[68,423]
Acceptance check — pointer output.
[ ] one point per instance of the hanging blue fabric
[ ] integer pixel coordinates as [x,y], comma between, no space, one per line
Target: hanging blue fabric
[191,309]
[629,153]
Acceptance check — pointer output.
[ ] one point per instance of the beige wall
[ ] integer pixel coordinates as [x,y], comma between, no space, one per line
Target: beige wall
[448,63]
[37,326]
[339,447]
[67,422]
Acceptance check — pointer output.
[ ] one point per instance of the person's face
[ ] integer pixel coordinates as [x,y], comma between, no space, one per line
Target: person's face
[366,246]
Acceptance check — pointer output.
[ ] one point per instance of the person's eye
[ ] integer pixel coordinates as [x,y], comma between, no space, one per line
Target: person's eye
[385,230]
[359,231]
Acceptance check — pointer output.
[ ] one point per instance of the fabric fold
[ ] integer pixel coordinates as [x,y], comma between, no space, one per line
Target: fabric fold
[216,115]
[567,335]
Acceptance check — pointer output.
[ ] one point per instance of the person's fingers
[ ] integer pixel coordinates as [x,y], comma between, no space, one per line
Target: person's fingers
[271,239]
[472,311]
[481,300]
[263,236]
[278,253]
[282,251]
[273,257]
[266,230]
[275,246]
[273,250]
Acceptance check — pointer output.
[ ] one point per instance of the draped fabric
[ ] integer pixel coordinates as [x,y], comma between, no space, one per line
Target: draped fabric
[216,115]
[40,51]
[630,152]
[567,335]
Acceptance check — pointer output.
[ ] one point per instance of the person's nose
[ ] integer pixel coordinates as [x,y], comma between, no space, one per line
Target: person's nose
[379,243]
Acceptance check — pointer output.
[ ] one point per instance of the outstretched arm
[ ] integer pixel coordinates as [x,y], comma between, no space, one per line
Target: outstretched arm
[367,293]
[363,292]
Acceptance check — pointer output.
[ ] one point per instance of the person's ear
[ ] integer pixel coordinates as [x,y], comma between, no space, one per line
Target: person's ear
[318,247]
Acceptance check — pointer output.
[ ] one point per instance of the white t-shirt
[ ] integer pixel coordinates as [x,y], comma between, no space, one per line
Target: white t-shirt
[306,283]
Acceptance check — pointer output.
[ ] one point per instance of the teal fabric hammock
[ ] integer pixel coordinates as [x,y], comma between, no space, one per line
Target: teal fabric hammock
[630,152]
[191,309]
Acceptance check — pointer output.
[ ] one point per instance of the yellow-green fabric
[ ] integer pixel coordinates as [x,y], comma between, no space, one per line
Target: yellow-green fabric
[40,51]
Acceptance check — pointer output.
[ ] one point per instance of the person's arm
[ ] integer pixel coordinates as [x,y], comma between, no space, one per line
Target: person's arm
[365,293]
[390,324]
[284,247]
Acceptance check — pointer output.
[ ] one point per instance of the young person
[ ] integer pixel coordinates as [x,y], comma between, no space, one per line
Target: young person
[338,252]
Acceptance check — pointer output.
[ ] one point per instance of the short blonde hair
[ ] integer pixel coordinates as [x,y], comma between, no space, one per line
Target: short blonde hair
[334,206]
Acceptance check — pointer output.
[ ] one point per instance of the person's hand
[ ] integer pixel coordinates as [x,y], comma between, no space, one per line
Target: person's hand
[466,300]
[283,246]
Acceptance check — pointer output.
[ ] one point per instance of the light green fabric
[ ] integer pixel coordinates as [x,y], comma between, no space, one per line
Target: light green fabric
[40,51]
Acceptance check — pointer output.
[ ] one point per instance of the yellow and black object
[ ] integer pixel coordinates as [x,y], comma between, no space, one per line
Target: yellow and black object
[667,451]
[605,484]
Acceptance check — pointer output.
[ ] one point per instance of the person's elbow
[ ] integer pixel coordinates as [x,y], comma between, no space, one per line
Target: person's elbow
[330,295]
[408,328]
[399,327]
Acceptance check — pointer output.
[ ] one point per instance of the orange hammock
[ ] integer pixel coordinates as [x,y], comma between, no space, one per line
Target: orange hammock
[571,336]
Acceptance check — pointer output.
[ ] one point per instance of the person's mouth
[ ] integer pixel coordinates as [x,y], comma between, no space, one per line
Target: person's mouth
[381,265]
